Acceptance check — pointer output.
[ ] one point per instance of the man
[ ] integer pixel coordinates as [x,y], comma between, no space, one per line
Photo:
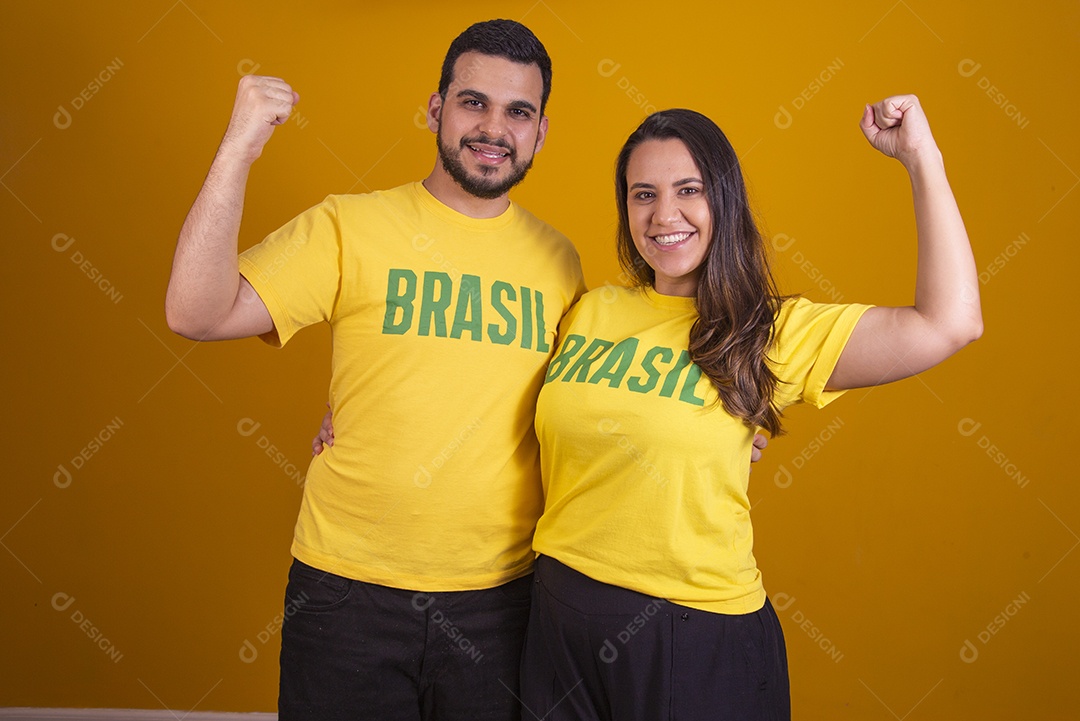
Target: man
[412,547]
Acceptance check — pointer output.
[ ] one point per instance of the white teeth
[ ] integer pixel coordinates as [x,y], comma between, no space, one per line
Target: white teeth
[488,154]
[671,239]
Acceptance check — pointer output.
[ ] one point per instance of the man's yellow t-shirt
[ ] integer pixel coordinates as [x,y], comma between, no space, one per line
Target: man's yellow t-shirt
[645,474]
[443,326]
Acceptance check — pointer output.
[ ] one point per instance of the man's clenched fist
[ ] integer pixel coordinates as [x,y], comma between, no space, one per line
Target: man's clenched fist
[261,103]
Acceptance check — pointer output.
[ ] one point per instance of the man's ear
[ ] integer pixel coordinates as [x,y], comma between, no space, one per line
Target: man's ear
[541,134]
[434,112]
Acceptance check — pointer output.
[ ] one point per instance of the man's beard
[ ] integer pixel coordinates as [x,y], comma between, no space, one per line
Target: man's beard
[480,187]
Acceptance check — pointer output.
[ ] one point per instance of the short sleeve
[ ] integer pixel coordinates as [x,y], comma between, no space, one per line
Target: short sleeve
[296,270]
[580,288]
[809,338]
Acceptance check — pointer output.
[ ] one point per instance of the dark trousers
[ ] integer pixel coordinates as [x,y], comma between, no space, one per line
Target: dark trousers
[355,650]
[596,651]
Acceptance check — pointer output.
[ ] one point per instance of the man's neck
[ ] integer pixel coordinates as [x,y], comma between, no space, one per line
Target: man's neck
[446,190]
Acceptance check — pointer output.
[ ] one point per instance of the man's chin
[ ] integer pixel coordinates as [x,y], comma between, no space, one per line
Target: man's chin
[487,185]
[486,182]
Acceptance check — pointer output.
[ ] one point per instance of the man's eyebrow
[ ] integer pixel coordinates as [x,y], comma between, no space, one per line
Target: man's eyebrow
[467,92]
[483,97]
[521,105]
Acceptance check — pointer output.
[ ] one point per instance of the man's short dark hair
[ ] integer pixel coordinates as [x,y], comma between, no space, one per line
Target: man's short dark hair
[502,39]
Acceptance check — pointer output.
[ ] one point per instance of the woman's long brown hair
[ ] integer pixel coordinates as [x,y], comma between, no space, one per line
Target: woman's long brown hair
[737,300]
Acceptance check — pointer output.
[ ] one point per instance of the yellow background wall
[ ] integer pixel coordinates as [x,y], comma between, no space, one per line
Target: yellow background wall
[917,539]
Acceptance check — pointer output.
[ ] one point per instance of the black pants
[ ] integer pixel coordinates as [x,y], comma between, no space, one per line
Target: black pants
[354,650]
[596,651]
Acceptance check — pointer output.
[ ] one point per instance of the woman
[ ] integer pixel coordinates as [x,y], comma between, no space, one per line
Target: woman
[648,603]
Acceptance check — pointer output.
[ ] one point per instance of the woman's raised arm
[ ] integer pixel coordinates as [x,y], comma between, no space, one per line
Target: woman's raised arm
[893,343]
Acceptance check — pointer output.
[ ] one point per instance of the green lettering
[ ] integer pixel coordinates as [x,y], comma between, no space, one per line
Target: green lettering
[505,289]
[399,298]
[468,304]
[432,307]
[689,385]
[672,378]
[617,363]
[581,366]
[526,317]
[647,362]
[570,347]
[541,331]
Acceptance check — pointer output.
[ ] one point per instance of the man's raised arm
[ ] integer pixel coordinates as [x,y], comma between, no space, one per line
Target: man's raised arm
[208,299]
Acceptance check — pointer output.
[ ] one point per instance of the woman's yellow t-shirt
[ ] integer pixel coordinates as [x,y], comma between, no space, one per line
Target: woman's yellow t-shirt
[645,473]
